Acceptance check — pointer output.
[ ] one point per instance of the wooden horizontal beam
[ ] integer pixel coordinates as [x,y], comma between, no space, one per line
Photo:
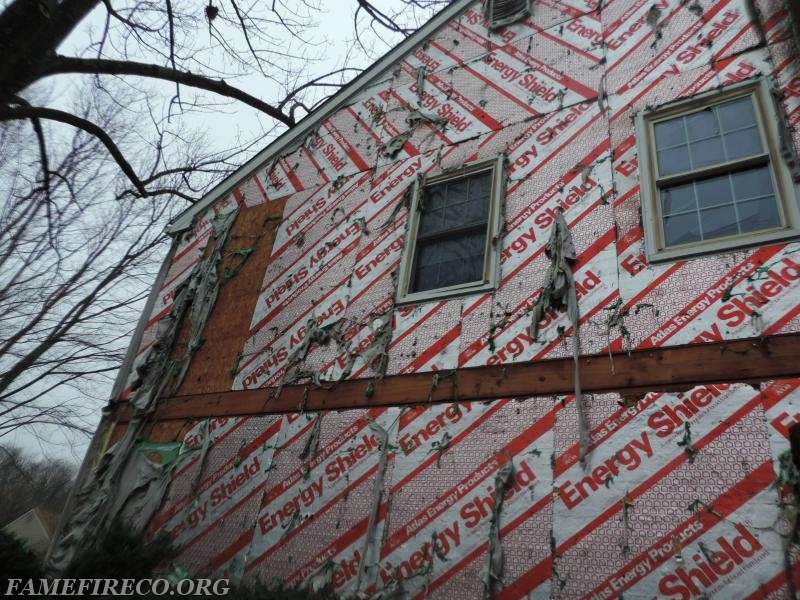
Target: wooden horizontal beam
[659,369]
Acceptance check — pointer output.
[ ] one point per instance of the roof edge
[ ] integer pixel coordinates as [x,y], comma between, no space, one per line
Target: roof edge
[183,221]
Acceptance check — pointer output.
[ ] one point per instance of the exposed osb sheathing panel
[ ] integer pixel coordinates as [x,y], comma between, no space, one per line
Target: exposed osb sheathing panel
[682,495]
[244,259]
[189,248]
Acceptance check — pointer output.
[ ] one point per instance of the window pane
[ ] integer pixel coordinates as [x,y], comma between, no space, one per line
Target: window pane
[454,204]
[425,278]
[706,152]
[702,124]
[673,160]
[718,222]
[461,215]
[457,214]
[480,193]
[480,188]
[759,214]
[431,221]
[443,263]
[681,229]
[457,191]
[426,272]
[478,212]
[736,114]
[670,133]
[752,183]
[463,260]
[677,199]
[745,142]
[434,196]
[714,191]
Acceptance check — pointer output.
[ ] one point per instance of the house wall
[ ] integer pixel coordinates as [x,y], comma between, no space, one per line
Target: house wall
[31,530]
[677,499]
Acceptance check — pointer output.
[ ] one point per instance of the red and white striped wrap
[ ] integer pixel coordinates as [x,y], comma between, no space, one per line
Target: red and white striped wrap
[650,481]
[677,499]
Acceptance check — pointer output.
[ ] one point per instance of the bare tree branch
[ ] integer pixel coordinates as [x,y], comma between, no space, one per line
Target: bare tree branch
[246,36]
[383,19]
[65,64]
[39,112]
[316,82]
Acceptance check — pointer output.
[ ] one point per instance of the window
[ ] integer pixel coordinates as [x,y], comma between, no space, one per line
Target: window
[505,12]
[712,174]
[453,231]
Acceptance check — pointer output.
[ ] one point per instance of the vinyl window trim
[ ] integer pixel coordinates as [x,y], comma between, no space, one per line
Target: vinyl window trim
[768,120]
[491,257]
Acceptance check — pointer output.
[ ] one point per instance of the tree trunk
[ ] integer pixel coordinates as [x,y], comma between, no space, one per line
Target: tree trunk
[30,32]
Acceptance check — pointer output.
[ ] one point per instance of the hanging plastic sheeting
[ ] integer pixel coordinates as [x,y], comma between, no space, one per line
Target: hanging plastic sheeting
[204,289]
[558,291]
[368,569]
[494,571]
[126,485]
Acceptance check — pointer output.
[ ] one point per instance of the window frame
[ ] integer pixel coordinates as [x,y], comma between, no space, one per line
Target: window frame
[767,115]
[491,257]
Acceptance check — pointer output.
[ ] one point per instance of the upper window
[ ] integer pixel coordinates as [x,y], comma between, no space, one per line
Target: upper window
[452,234]
[712,174]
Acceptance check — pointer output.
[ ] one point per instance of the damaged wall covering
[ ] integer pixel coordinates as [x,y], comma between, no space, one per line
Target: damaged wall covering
[679,496]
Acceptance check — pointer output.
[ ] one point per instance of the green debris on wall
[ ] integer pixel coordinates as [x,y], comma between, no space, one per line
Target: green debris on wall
[312,441]
[161,453]
[415,118]
[439,447]
[686,442]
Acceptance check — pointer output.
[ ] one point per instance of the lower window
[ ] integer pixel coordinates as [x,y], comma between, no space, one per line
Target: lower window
[452,233]
[712,174]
